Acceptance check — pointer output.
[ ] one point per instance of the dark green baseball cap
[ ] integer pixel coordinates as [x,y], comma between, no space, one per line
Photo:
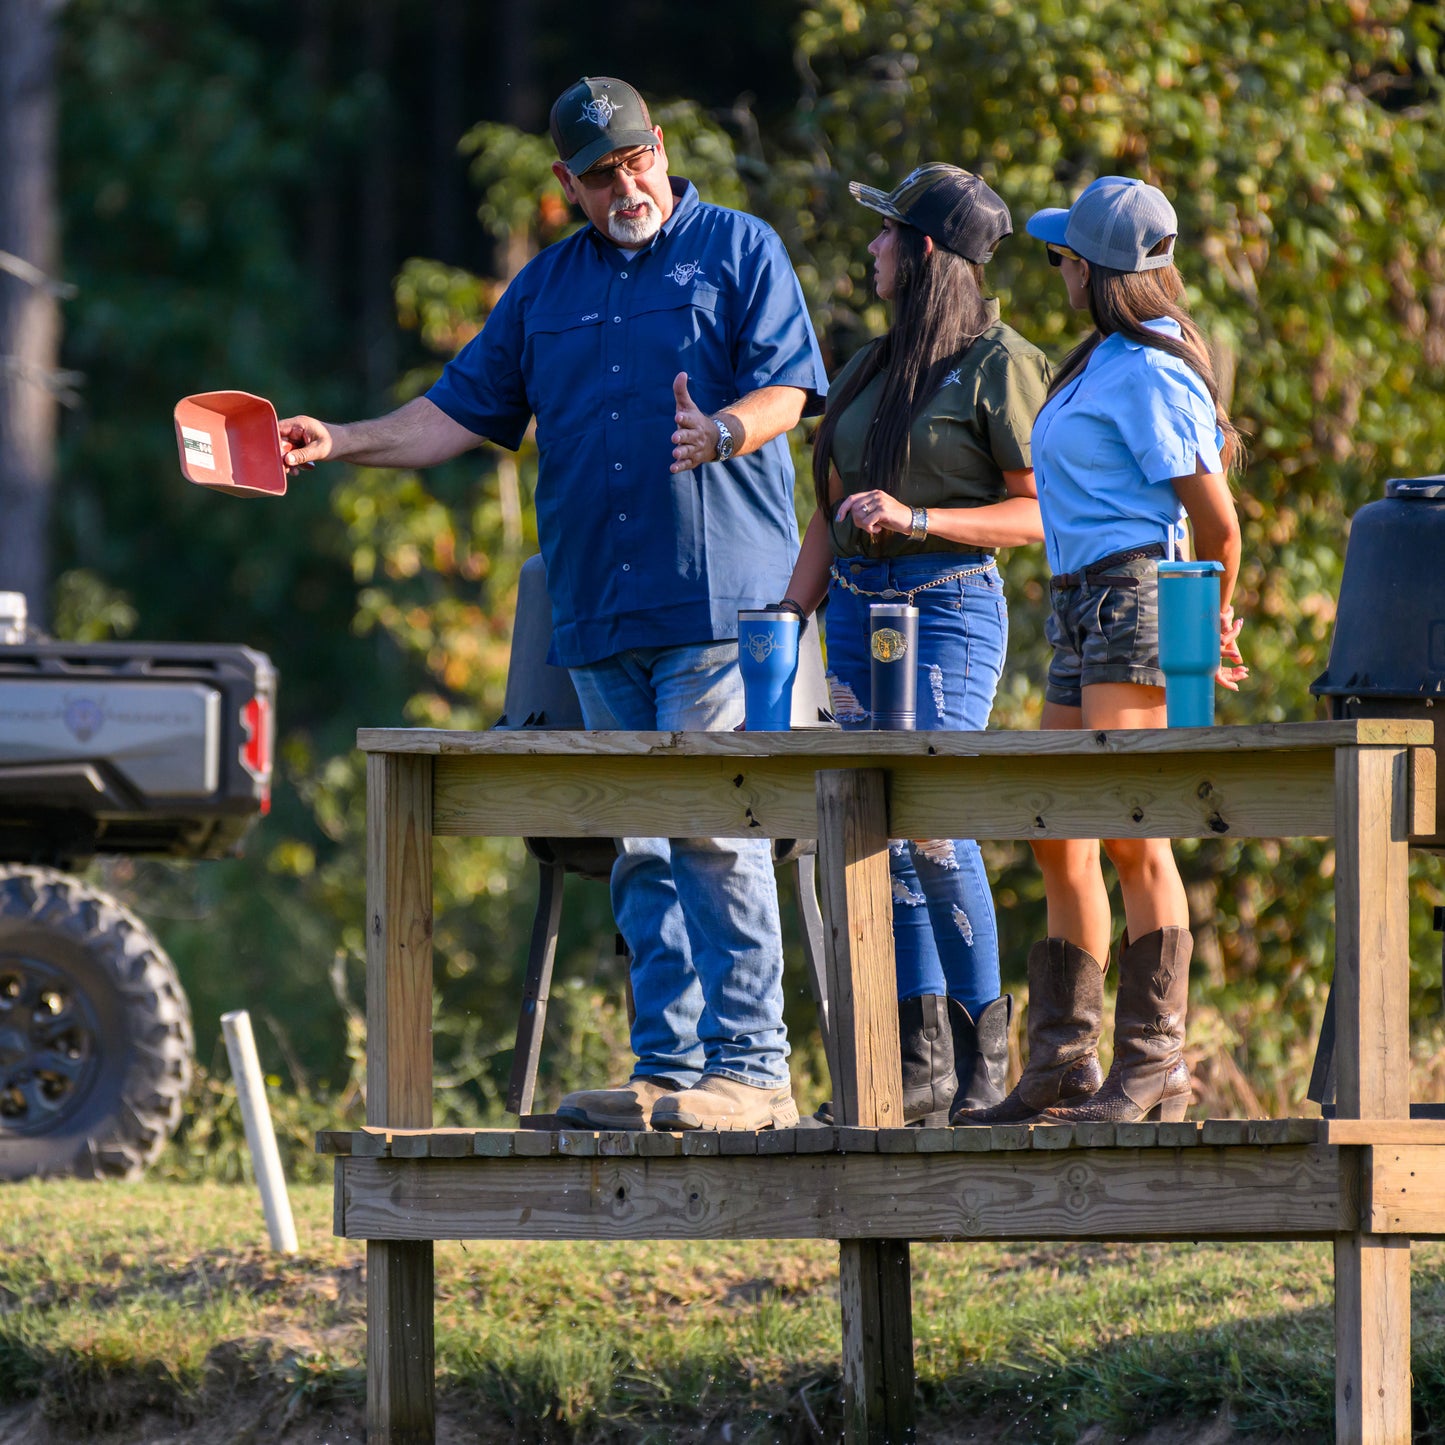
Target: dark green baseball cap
[595,117]
[959,211]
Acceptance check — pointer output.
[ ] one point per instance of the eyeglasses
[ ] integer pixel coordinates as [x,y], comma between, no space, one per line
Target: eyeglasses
[601,178]
[1059,254]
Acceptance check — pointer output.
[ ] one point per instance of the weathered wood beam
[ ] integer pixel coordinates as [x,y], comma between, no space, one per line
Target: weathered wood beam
[1296,1191]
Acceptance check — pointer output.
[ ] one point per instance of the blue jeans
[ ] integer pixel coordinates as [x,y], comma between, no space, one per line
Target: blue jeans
[700,915]
[945,933]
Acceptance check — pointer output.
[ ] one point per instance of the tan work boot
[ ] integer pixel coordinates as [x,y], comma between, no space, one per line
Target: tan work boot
[629,1107]
[720,1103]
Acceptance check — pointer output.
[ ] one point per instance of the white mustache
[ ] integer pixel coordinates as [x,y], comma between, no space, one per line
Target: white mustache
[626,203]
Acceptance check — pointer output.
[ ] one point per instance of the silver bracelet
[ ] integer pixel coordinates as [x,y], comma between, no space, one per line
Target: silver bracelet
[919,530]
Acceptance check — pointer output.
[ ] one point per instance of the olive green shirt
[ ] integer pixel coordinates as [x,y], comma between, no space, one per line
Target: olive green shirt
[973,429]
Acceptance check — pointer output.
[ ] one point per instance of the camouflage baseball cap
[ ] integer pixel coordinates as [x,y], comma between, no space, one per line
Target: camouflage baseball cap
[595,117]
[959,211]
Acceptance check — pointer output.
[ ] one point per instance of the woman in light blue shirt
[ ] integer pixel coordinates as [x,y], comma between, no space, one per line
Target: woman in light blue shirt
[1131,441]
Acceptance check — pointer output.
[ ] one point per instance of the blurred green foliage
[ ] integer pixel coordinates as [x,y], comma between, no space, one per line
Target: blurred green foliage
[1303,147]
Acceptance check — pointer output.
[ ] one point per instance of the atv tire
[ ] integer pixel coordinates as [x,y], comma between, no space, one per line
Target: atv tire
[96,1045]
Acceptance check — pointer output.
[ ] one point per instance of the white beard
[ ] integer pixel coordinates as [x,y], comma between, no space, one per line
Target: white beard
[634,232]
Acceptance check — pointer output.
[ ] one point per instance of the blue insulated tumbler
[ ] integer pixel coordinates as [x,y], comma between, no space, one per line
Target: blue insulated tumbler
[1189,640]
[768,659]
[893,645]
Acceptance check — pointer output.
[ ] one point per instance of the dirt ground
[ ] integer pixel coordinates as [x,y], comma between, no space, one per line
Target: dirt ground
[263,1421]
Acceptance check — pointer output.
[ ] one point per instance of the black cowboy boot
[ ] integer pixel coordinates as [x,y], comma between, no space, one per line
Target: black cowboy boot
[980,1053]
[926,1045]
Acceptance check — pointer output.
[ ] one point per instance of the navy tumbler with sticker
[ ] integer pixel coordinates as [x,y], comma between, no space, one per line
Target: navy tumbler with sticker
[893,646]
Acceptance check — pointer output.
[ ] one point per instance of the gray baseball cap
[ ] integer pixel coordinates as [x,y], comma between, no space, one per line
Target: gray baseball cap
[1115,222]
[595,117]
[960,212]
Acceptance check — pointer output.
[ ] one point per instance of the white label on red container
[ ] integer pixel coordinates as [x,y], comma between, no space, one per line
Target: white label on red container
[199,452]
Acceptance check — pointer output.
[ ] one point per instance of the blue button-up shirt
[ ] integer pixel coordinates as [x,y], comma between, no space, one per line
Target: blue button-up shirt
[588,338]
[1106,446]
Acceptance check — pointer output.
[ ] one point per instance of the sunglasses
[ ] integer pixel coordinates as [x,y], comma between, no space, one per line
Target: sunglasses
[1058,254]
[601,178]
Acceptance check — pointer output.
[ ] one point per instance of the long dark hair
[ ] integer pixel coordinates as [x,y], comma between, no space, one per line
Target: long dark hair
[938,313]
[1123,301]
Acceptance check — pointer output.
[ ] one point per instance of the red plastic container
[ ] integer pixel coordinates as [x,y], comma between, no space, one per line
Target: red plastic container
[228,441]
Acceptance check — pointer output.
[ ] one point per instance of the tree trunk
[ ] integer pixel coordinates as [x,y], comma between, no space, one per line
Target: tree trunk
[29,308]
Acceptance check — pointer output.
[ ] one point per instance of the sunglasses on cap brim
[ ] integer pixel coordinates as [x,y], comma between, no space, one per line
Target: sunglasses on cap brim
[1059,254]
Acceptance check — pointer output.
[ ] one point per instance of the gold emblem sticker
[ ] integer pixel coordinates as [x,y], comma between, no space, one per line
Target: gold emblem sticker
[889,644]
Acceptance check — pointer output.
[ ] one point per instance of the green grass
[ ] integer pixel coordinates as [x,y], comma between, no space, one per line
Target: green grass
[116,1299]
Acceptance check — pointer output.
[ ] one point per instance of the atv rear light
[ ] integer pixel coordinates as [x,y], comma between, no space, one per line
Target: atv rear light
[257,721]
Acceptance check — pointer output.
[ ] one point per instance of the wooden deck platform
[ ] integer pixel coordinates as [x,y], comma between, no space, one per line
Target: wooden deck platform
[1370,1180]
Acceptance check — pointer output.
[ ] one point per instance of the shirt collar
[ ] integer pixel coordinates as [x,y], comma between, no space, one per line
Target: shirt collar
[1165,325]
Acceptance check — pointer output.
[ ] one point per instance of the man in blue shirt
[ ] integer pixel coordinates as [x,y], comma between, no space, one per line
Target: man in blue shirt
[664,350]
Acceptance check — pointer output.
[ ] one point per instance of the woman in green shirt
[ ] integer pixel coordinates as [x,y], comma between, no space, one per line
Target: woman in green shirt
[921,469]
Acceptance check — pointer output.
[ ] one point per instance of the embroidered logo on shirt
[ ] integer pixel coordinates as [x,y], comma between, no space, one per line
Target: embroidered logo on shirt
[889,644]
[599,111]
[684,272]
[592,316]
[954,378]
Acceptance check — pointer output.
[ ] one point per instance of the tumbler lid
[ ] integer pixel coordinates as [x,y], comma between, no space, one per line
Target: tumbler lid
[1189,569]
[768,614]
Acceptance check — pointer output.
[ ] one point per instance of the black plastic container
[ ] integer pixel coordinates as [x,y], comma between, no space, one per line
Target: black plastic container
[1387,656]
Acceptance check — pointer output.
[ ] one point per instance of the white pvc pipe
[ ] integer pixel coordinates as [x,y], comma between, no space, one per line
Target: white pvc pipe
[260,1135]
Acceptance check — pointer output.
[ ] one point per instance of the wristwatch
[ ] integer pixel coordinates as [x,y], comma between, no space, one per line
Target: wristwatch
[725,442]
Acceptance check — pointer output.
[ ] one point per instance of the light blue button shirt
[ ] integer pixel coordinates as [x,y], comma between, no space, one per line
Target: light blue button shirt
[1107,445]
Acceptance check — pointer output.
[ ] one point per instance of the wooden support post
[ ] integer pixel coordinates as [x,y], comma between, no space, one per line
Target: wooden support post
[400,1355]
[1372,1062]
[873,1285]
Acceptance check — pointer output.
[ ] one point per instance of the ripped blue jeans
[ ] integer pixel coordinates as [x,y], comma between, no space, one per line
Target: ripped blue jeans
[945,933]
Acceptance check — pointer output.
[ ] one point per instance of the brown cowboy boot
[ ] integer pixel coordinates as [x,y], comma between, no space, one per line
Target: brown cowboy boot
[1066,1003]
[1149,1078]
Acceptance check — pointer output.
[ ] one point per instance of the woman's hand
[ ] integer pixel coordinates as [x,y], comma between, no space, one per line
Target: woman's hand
[1232,670]
[875,512]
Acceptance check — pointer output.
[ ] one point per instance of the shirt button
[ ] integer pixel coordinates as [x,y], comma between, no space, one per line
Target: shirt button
[617,368]
[614,416]
[616,319]
[622,516]
[616,466]
[624,275]
[627,566]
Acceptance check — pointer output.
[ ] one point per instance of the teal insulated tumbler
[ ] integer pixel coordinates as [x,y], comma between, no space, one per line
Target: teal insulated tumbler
[1189,640]
[768,660]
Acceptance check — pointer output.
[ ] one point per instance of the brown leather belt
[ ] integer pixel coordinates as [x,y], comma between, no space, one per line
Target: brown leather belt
[1098,571]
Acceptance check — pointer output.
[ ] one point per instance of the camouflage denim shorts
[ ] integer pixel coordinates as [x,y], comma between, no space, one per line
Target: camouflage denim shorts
[1104,627]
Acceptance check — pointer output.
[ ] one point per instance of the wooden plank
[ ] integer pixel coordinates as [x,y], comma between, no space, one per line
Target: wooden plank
[1183,1135]
[1382,1131]
[852,832]
[579,1142]
[412,1145]
[898,1141]
[1011,1136]
[815,1141]
[619,1142]
[658,1144]
[333,1141]
[371,1143]
[1225,1131]
[700,1143]
[1094,1134]
[932,1140]
[493,1143]
[534,1143]
[398,941]
[1372,935]
[1144,794]
[733,1142]
[778,1141]
[1404,1189]
[850,1140]
[973,1138]
[1284,1131]
[1053,1136]
[1424,793]
[1136,1136]
[821,743]
[875,1292]
[1372,1340]
[1288,1192]
[400,1343]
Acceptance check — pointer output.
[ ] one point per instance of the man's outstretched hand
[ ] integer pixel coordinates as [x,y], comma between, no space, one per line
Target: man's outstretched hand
[695,440]
[304,441]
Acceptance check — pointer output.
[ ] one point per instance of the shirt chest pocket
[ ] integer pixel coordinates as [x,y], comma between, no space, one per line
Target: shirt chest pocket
[688,325]
[566,370]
